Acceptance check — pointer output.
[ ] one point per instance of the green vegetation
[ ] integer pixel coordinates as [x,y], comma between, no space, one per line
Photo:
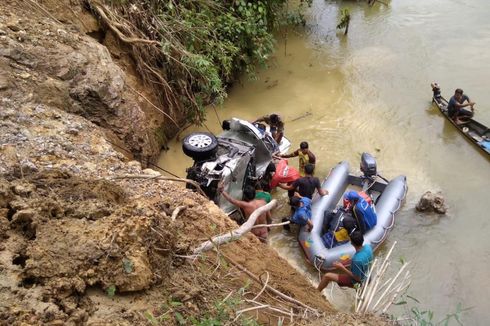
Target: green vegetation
[344,20]
[425,317]
[223,312]
[189,50]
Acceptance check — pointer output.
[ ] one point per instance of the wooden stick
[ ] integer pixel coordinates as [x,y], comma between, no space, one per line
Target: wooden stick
[237,233]
[270,225]
[263,288]
[239,312]
[373,284]
[270,288]
[392,282]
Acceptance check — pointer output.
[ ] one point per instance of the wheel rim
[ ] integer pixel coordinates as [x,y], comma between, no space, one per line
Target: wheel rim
[200,141]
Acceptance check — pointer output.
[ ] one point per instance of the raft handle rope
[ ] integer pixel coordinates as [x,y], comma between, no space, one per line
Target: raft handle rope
[318,266]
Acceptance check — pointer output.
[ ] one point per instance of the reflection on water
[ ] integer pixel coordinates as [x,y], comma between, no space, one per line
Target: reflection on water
[371,92]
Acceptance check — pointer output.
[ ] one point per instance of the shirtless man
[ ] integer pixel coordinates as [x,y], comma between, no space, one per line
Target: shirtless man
[249,205]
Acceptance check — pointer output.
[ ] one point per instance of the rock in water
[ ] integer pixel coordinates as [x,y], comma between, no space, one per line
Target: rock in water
[438,204]
[431,202]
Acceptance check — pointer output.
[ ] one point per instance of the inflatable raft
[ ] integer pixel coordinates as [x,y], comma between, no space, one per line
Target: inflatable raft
[387,198]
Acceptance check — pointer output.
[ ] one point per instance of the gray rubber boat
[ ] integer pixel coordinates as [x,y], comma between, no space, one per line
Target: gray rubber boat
[387,197]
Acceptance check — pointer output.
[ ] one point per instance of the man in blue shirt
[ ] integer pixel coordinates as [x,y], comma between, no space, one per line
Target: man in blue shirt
[363,215]
[359,266]
[302,214]
[457,103]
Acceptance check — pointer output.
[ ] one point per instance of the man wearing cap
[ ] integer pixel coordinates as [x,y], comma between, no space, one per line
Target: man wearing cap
[457,103]
[305,156]
[302,213]
[363,216]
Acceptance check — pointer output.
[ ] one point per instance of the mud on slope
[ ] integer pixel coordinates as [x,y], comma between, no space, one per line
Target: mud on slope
[81,242]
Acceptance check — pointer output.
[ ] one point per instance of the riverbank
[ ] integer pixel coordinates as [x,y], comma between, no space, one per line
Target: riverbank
[88,236]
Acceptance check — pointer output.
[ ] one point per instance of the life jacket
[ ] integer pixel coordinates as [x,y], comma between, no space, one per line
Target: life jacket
[284,174]
[366,197]
[363,207]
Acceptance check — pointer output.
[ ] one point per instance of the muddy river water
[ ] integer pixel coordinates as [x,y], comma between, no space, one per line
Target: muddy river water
[370,91]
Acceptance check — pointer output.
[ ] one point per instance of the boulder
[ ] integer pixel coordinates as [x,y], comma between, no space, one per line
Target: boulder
[430,202]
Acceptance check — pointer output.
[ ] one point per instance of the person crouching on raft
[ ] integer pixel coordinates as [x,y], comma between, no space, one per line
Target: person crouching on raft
[359,265]
[363,216]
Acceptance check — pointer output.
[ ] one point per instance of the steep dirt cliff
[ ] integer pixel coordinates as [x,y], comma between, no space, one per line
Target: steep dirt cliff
[48,62]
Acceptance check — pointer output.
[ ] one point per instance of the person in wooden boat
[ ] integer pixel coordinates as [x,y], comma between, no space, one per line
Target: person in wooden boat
[306,185]
[362,213]
[456,105]
[304,155]
[276,125]
[302,213]
[248,206]
[359,266]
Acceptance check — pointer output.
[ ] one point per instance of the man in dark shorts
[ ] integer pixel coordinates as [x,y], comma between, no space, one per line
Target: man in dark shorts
[457,103]
[305,156]
[359,265]
[307,185]
[275,123]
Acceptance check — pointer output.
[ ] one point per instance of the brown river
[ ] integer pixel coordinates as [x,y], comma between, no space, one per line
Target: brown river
[370,91]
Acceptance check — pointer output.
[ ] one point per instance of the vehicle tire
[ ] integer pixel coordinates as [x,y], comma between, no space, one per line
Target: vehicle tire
[200,145]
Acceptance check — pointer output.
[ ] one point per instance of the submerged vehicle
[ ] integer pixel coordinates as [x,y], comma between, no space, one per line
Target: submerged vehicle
[474,131]
[237,157]
[387,197]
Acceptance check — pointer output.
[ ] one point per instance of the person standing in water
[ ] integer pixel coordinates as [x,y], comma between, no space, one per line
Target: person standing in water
[248,206]
[276,125]
[305,156]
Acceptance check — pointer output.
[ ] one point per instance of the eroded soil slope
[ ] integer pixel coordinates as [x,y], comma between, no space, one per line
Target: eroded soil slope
[86,236]
[45,61]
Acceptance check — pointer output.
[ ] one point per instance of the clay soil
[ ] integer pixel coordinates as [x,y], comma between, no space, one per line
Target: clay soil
[87,236]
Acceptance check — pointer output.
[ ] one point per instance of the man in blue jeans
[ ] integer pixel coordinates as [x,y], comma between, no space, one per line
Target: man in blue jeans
[359,266]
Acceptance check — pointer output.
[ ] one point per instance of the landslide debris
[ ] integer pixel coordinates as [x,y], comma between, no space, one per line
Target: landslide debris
[45,62]
[81,243]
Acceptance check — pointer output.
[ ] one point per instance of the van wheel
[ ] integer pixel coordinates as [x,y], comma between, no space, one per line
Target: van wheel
[200,145]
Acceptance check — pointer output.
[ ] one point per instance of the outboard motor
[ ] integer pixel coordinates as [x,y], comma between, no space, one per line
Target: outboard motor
[368,165]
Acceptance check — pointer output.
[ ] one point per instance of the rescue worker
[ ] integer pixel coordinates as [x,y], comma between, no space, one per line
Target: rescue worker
[363,215]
